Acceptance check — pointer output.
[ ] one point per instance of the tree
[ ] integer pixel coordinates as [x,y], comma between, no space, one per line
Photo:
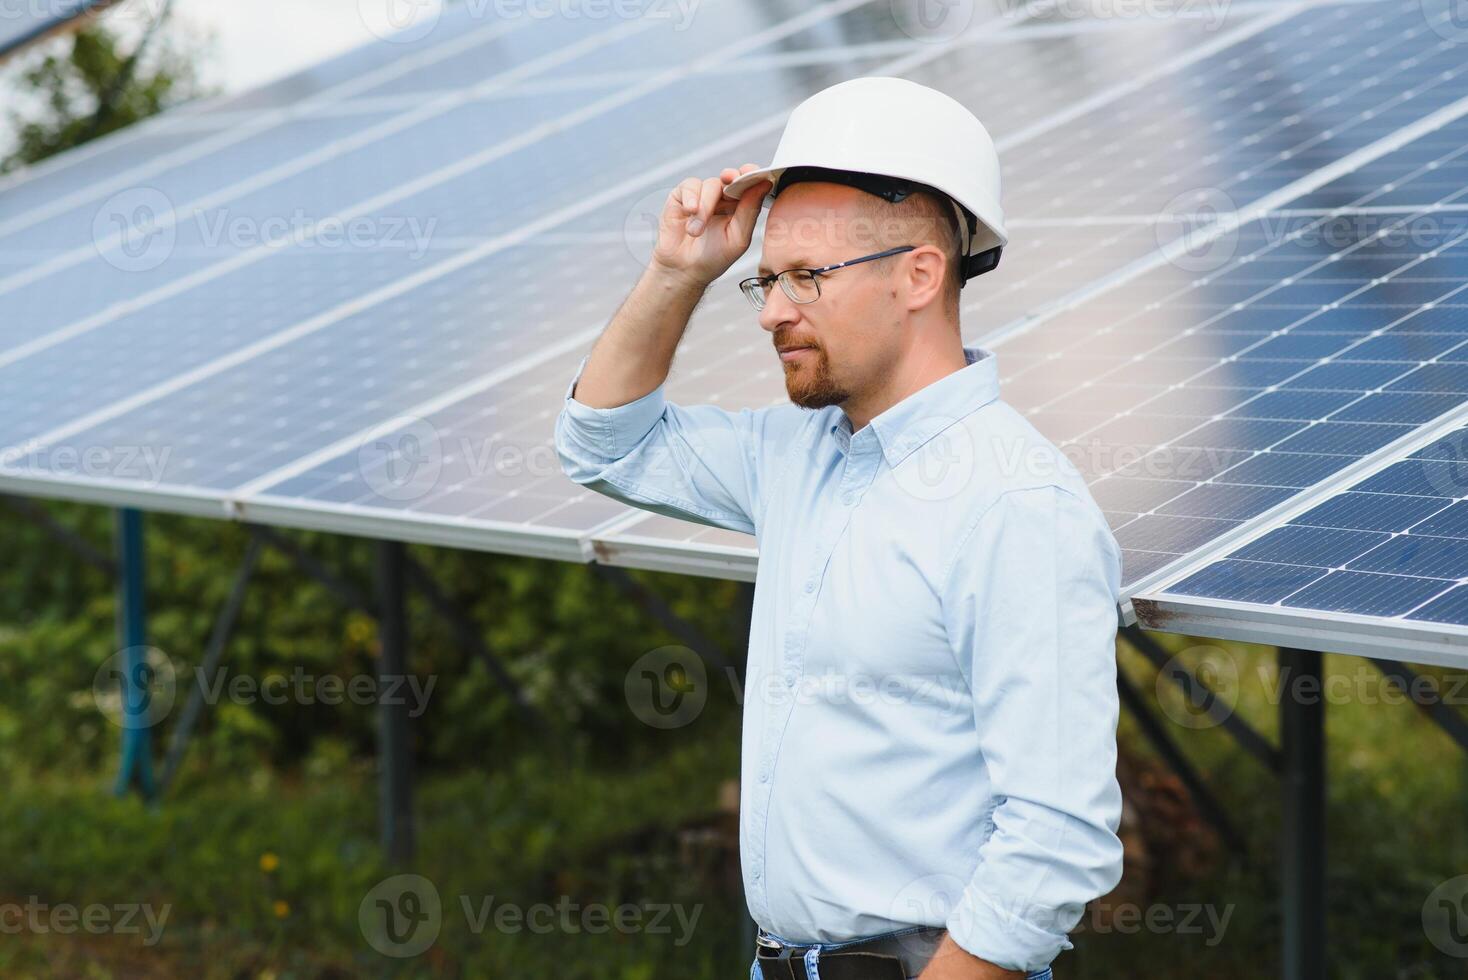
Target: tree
[96,86]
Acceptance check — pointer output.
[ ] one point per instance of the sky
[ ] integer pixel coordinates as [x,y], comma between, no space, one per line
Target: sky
[259,40]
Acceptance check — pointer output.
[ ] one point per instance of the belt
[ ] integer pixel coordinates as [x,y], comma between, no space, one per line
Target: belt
[894,956]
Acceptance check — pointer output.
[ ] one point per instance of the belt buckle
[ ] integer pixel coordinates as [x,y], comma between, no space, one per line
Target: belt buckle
[783,952]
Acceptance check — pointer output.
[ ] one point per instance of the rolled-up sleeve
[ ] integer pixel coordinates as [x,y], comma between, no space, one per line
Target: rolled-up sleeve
[1029,603]
[696,462]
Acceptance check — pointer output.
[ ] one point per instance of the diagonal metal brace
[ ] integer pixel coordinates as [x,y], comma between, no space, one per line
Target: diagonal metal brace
[83,548]
[1443,715]
[471,639]
[1156,733]
[213,653]
[347,593]
[654,606]
[1201,694]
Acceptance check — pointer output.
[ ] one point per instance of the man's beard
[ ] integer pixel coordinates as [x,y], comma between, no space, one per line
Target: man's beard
[810,385]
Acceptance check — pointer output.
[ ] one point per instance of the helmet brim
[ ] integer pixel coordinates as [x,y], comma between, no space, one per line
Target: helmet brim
[741,186]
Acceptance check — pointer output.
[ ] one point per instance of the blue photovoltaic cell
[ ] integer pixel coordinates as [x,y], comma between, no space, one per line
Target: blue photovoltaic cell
[1248,581]
[1163,531]
[1365,594]
[1450,607]
[1394,544]
[1371,511]
[1281,469]
[1440,377]
[1229,501]
[1321,547]
[1422,555]
[1400,406]
[1451,523]
[1414,477]
[1295,405]
[1347,438]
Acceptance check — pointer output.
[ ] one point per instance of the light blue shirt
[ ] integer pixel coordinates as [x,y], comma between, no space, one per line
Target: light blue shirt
[930,702]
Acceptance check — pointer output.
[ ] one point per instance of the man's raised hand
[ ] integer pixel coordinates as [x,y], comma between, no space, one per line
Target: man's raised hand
[701,232]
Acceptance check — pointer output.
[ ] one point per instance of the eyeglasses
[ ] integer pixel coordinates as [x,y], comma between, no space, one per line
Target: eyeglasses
[802,285]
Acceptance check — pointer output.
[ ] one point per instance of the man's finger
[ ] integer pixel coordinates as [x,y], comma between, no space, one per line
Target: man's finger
[712,190]
[687,193]
[746,210]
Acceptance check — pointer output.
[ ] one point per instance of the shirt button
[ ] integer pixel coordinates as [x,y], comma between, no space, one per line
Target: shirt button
[810,586]
[764,777]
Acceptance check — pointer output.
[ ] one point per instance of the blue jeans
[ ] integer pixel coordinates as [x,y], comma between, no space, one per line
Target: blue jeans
[813,957]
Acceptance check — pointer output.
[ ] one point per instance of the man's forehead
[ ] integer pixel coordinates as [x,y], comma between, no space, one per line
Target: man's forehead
[770,264]
[810,223]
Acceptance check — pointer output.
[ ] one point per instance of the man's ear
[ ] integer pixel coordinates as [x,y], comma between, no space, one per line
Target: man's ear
[927,271]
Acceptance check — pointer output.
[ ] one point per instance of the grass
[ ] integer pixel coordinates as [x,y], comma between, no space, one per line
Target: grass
[263,876]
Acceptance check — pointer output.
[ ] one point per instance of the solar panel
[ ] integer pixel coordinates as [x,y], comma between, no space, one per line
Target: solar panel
[1388,549]
[113,340]
[1152,387]
[407,386]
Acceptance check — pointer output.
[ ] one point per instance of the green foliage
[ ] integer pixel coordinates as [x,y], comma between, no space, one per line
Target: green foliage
[219,861]
[530,614]
[71,88]
[587,808]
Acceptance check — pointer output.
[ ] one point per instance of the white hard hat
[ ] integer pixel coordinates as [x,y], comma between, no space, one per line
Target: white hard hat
[896,128]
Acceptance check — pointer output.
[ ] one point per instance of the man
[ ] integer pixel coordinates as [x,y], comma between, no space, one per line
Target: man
[928,760]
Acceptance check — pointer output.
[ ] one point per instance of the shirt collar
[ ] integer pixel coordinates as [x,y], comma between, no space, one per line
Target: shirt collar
[923,414]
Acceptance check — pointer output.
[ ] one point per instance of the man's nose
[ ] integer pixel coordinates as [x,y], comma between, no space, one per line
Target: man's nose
[780,310]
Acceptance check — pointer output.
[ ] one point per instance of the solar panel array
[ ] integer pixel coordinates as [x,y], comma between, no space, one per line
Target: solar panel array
[353,299]
[1387,548]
